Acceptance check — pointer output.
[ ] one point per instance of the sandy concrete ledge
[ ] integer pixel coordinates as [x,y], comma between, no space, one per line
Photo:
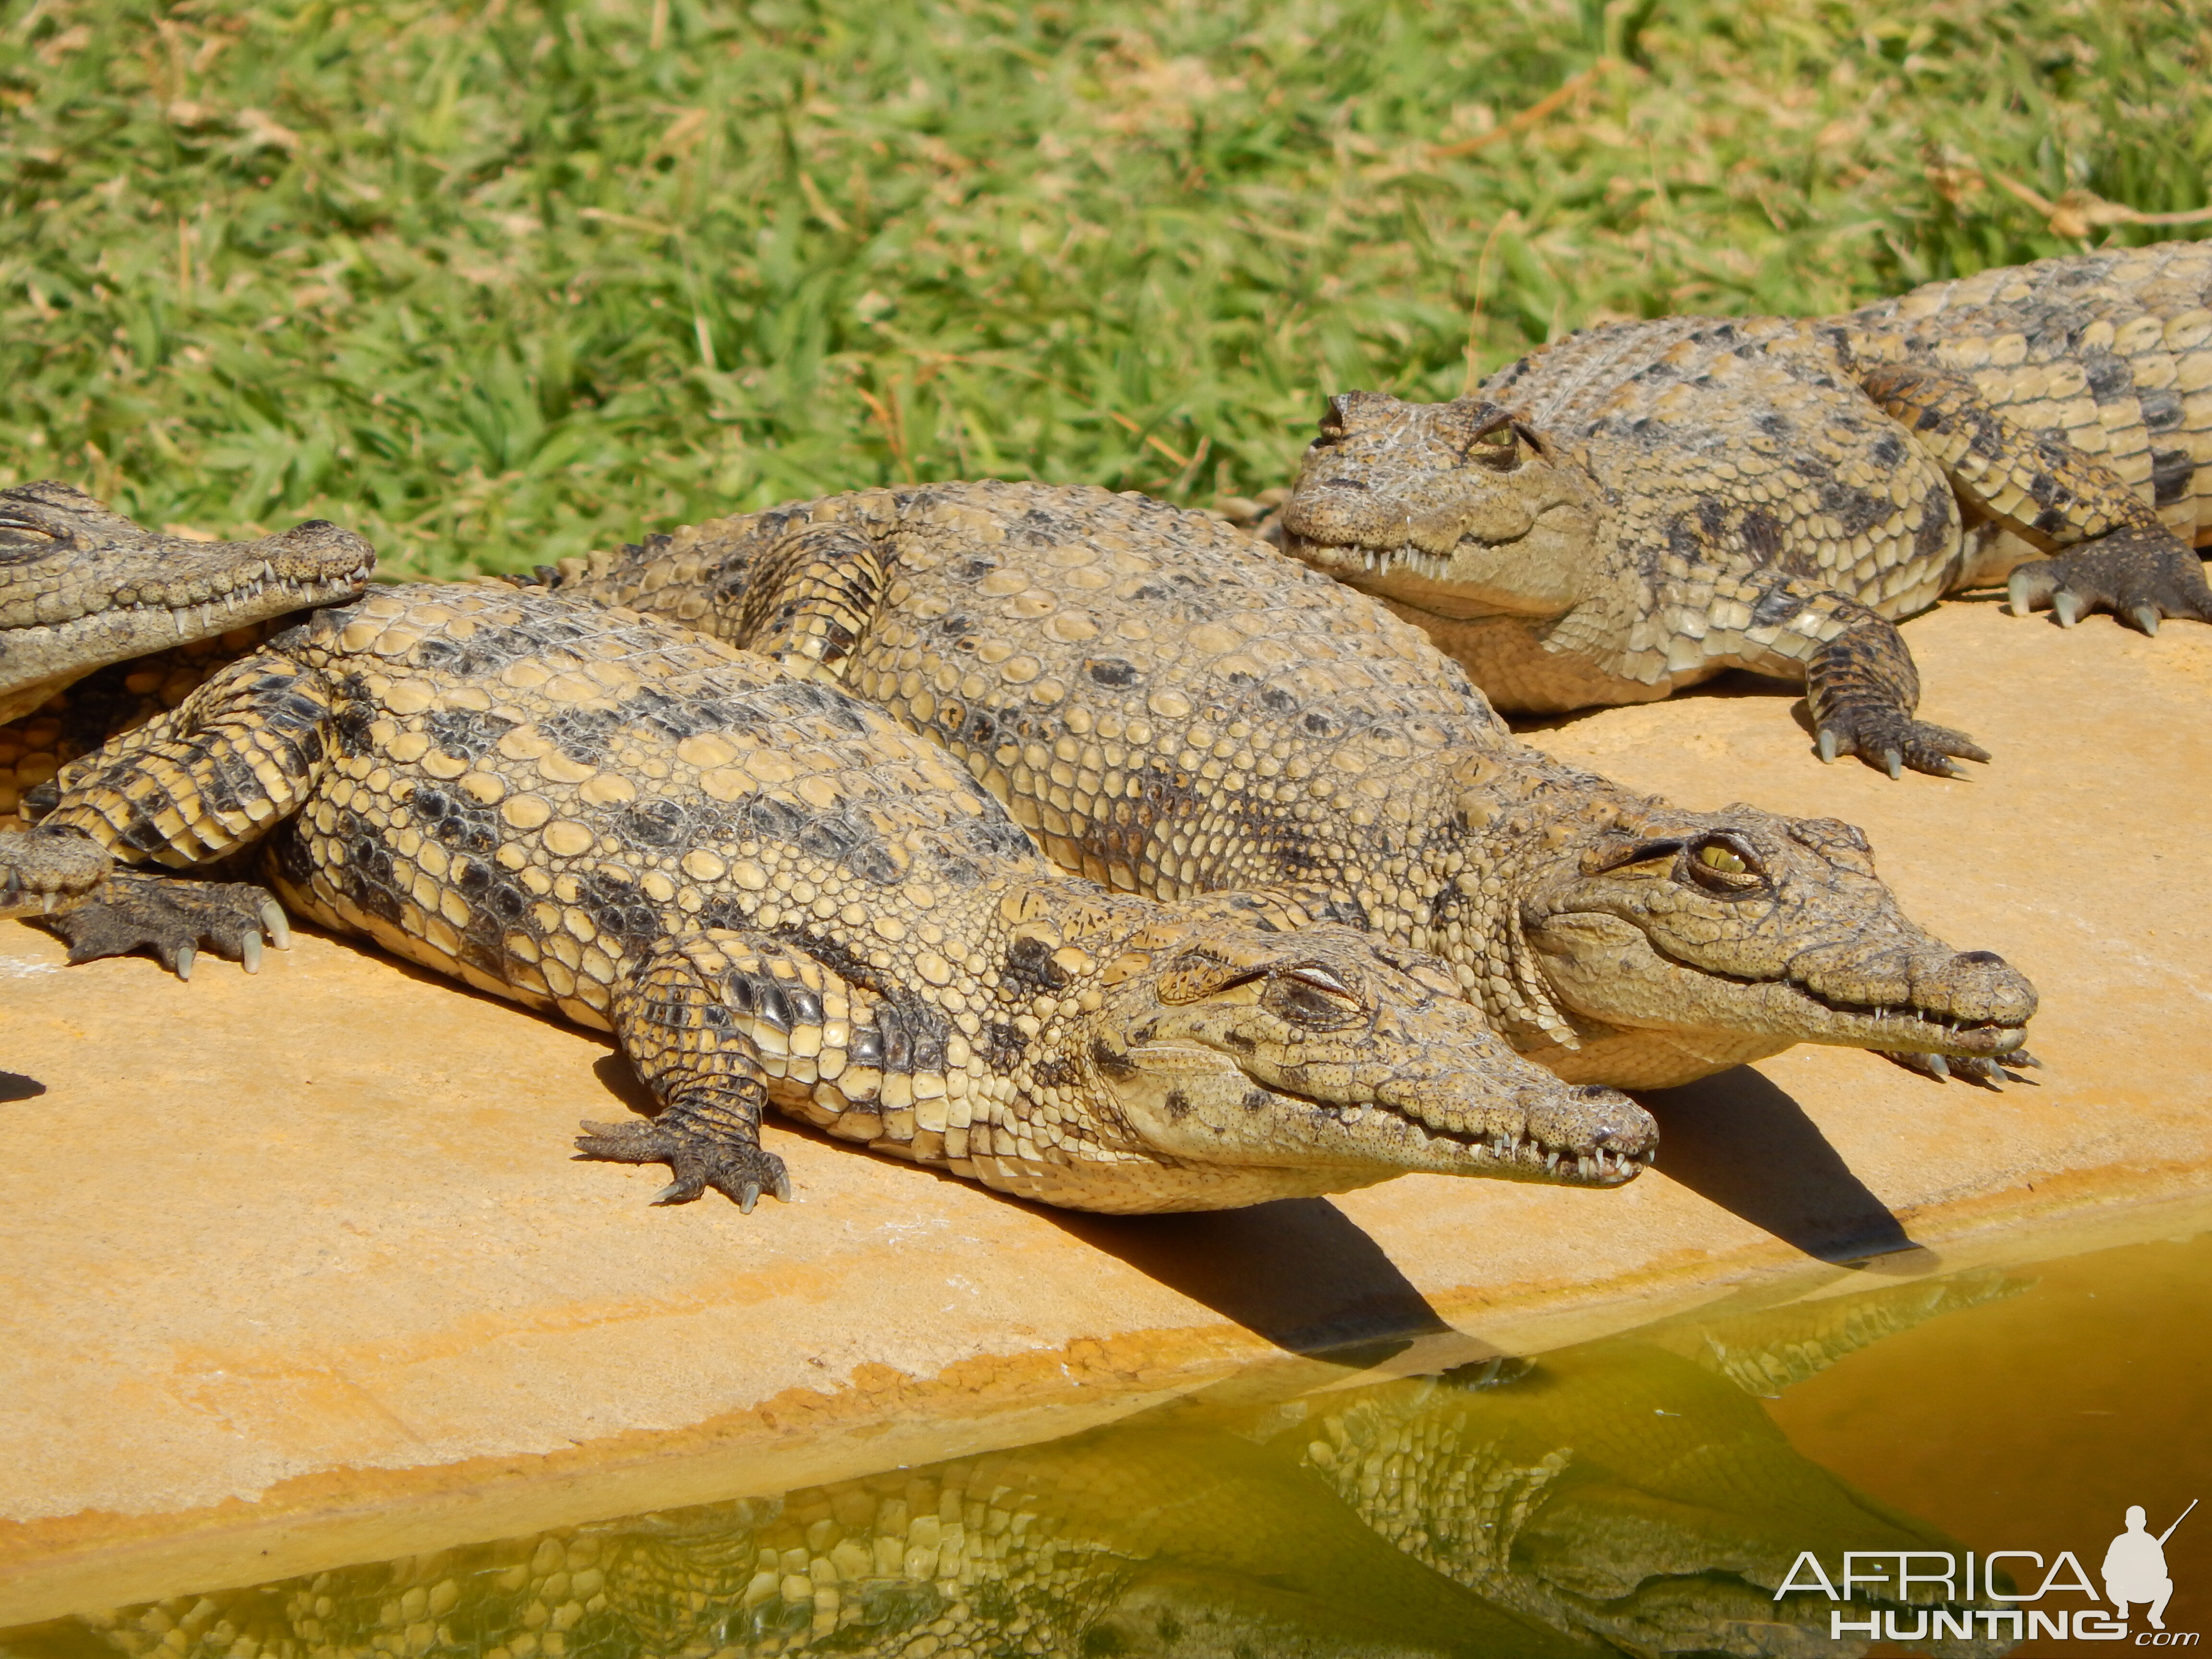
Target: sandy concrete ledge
[295,1271]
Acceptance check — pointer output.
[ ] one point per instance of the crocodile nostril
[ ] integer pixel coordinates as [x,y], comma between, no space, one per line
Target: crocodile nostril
[1980,959]
[1344,483]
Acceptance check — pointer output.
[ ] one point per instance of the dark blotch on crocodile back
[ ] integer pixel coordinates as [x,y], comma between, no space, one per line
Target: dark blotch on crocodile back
[1936,531]
[581,734]
[2171,473]
[1776,606]
[618,908]
[2109,378]
[1762,535]
[464,733]
[654,821]
[1109,1061]
[1050,1074]
[2161,410]
[1030,970]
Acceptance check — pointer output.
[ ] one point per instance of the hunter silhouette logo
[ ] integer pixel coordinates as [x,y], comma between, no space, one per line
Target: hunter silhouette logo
[2134,1567]
[1891,1587]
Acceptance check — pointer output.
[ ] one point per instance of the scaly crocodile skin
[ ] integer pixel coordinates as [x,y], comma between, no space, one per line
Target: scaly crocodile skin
[1173,709]
[773,895]
[1643,505]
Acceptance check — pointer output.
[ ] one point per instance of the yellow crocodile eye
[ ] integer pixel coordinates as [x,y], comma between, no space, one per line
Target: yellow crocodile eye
[1714,856]
[1498,437]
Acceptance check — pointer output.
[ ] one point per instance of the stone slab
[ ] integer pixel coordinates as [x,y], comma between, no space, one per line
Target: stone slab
[293,1270]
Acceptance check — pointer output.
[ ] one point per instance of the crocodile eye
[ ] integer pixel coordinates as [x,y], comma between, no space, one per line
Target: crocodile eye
[1311,995]
[1498,437]
[1724,865]
[20,540]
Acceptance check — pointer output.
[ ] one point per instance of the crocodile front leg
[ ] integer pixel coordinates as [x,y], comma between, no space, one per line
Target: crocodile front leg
[1861,689]
[1859,682]
[2122,558]
[189,789]
[710,1020]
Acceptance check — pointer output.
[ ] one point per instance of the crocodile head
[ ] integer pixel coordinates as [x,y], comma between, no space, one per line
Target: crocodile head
[81,586]
[1326,1050]
[1682,943]
[1455,508]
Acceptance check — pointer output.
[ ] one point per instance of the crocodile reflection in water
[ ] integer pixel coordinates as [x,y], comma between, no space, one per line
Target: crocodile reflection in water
[1627,1493]
[1632,1491]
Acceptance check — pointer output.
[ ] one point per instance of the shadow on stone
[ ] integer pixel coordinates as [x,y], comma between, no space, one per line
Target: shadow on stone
[1739,1141]
[624,1083]
[14,1086]
[1298,1272]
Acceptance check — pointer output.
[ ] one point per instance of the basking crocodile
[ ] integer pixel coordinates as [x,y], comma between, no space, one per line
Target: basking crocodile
[1173,709]
[1613,1493]
[82,588]
[1646,504]
[772,894]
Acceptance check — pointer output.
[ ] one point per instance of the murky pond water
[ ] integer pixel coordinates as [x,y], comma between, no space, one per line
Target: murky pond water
[1651,1493]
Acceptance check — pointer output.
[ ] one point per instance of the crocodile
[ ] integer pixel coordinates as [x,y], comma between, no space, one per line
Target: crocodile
[87,593]
[1614,1496]
[1172,709]
[1643,505]
[770,893]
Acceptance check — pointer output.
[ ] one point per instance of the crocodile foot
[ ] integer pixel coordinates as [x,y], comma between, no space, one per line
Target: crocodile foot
[39,873]
[1982,1073]
[175,919]
[1861,689]
[2141,575]
[1889,737]
[740,1169]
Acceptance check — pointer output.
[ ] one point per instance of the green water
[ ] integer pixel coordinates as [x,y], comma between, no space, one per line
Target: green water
[1648,1494]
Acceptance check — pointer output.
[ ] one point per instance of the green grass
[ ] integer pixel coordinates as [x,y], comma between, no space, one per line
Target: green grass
[499,282]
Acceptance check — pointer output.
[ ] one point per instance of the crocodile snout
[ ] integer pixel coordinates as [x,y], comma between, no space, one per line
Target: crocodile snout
[1593,1118]
[1976,987]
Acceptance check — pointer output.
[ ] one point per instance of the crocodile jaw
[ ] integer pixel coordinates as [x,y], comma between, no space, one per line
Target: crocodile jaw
[1609,973]
[1199,1105]
[1533,566]
[81,587]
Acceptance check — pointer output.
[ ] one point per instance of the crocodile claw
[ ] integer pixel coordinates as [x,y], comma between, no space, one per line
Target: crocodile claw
[173,918]
[1893,741]
[2141,574]
[740,1170]
[1991,1074]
